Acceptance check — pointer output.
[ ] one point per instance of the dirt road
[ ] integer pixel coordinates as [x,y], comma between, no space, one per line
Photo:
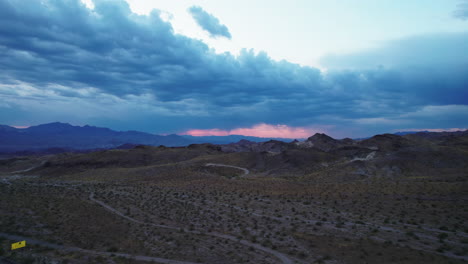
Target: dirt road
[284,259]
[246,171]
[33,241]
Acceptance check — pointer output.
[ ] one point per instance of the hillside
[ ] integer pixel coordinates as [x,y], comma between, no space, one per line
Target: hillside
[379,156]
[385,199]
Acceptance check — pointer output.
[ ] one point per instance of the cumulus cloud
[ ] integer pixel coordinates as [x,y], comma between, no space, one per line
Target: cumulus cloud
[107,66]
[462,10]
[209,22]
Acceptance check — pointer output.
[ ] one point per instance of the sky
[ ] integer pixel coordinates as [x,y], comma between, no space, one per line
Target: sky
[214,67]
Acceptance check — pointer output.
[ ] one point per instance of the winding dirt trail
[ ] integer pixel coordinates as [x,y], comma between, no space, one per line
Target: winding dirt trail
[246,171]
[282,257]
[30,169]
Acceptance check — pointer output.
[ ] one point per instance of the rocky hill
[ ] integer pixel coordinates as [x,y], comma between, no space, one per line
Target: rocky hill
[319,157]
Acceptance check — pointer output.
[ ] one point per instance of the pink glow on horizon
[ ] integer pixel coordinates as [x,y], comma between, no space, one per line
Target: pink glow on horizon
[259,130]
[20,127]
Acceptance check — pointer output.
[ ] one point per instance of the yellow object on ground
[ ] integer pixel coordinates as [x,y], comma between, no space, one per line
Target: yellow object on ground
[18,245]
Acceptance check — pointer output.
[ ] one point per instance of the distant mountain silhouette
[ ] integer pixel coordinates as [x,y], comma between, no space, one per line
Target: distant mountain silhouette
[68,137]
[230,139]
[62,137]
[402,133]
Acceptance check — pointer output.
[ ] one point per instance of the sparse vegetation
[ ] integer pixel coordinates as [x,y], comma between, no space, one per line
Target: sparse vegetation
[174,207]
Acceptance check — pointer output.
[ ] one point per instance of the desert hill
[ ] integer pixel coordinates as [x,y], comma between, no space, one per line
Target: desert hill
[387,155]
[385,199]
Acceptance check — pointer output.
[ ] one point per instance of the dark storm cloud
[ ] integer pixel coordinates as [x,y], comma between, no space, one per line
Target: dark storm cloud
[124,66]
[209,22]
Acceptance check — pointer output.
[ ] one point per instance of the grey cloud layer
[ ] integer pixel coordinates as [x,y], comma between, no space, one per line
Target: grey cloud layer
[110,57]
[462,10]
[209,22]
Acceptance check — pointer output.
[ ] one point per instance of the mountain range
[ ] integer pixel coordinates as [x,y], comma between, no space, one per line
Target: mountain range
[334,197]
[319,157]
[61,137]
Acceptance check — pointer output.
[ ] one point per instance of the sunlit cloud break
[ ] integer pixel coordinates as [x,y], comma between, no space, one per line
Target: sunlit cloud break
[259,130]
